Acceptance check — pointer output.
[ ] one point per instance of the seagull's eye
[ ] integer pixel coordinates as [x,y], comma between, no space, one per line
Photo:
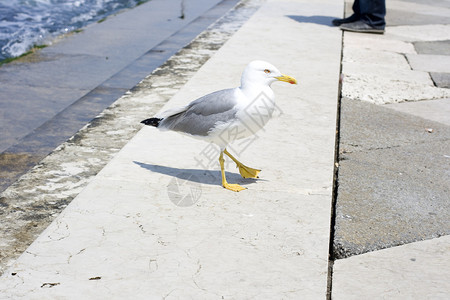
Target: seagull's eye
[267,71]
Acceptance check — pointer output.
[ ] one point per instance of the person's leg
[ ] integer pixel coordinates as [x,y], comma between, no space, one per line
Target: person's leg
[356,8]
[371,17]
[372,12]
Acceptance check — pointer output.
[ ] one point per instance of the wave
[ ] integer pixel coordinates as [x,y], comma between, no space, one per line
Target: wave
[26,23]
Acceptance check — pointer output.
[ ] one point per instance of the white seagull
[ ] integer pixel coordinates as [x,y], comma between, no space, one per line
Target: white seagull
[217,117]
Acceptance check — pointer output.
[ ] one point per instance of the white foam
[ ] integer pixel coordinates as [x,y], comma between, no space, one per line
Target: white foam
[24,25]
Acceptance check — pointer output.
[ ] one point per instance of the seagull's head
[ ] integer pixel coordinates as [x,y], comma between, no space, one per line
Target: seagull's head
[261,72]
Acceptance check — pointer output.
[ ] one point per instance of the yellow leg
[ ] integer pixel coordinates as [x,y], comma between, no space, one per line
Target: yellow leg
[245,171]
[225,184]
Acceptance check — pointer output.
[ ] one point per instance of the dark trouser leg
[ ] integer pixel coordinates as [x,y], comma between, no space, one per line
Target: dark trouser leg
[371,12]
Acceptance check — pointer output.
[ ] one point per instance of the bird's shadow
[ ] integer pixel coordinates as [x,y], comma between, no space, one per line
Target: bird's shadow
[321,20]
[210,177]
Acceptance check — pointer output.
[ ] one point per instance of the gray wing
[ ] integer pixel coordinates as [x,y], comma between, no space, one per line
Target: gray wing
[201,115]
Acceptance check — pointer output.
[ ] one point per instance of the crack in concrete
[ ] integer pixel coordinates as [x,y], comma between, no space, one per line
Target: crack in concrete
[72,255]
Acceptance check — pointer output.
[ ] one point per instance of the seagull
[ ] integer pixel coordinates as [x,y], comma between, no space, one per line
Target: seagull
[219,116]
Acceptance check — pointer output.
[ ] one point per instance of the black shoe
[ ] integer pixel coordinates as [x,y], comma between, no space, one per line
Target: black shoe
[339,22]
[360,26]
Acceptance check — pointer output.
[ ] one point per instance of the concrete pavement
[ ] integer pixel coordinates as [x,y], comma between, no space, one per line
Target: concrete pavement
[155,223]
[418,270]
[394,161]
[60,176]
[402,144]
[124,234]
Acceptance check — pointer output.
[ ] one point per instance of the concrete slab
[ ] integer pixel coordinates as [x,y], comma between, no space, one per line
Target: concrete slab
[434,110]
[414,33]
[416,12]
[436,48]
[374,57]
[381,90]
[429,63]
[421,7]
[415,271]
[441,79]
[376,70]
[358,41]
[398,17]
[386,73]
[219,245]
[125,233]
[389,129]
[437,3]
[393,186]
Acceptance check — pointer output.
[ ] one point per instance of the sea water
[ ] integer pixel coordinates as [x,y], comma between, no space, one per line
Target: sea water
[26,23]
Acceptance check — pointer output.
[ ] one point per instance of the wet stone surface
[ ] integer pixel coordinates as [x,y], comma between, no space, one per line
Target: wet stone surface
[31,203]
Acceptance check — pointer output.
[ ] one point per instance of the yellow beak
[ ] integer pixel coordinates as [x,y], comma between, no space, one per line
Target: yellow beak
[287,78]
